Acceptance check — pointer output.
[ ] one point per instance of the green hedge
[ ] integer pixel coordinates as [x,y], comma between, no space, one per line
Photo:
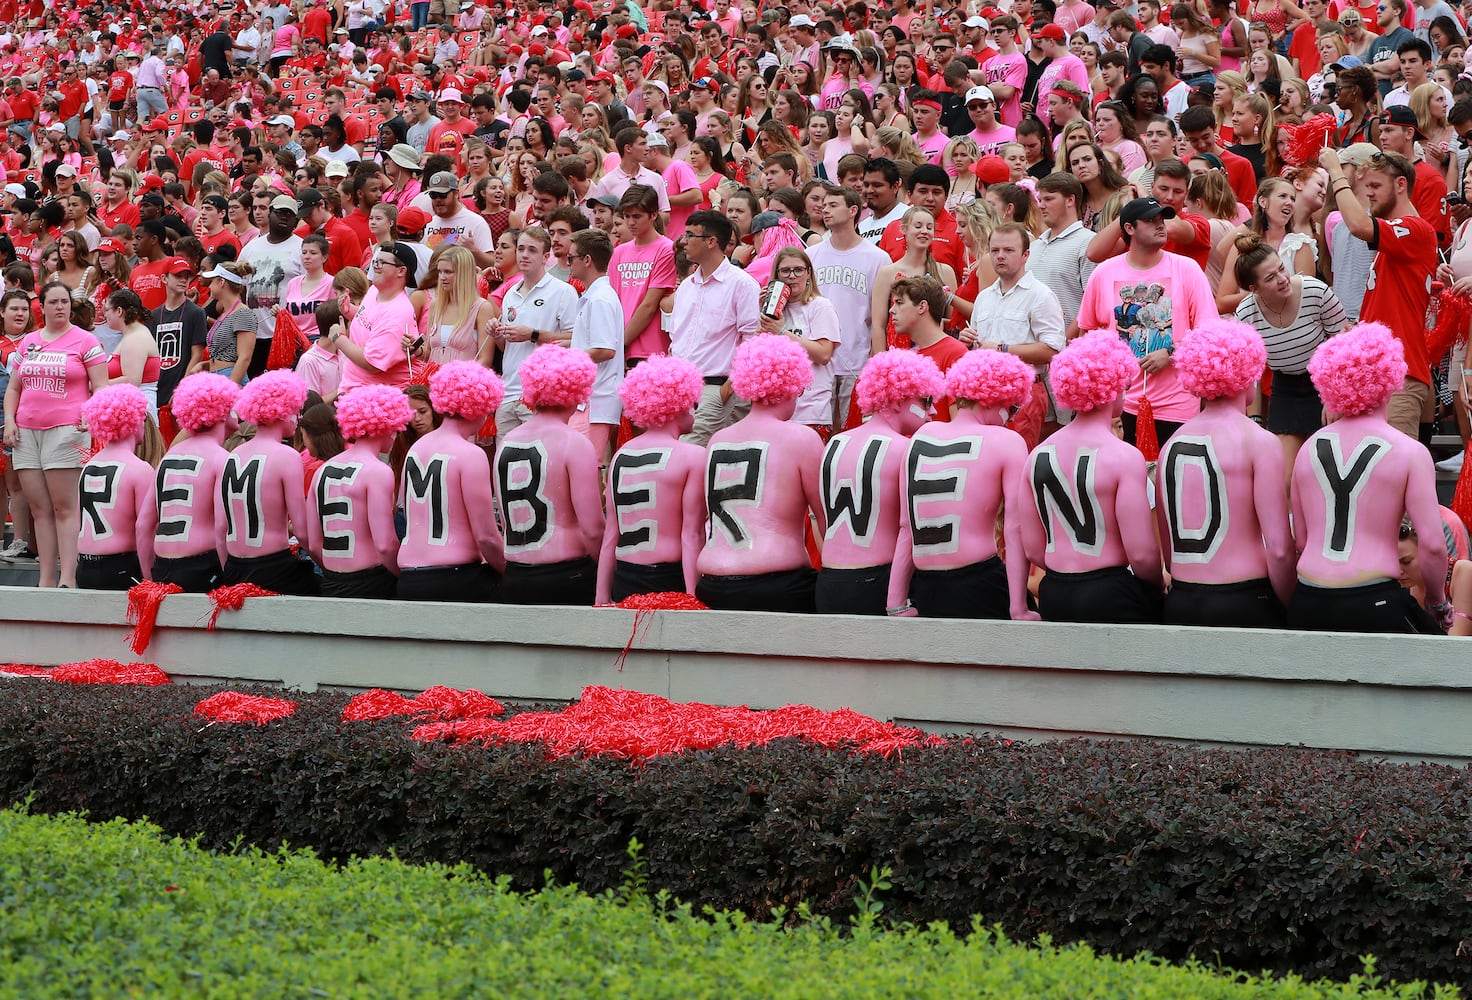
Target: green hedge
[1281,860]
[110,910]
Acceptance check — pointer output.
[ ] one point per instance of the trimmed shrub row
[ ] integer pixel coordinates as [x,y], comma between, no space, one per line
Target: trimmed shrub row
[109,910]
[1281,860]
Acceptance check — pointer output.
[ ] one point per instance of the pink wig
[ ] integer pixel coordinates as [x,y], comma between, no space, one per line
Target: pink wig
[272,398]
[1357,371]
[893,378]
[1220,359]
[990,378]
[555,377]
[373,411]
[784,234]
[465,389]
[770,369]
[1093,370]
[659,390]
[115,413]
[202,400]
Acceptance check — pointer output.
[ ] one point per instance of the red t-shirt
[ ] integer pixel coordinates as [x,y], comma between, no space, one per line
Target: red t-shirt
[73,99]
[212,243]
[316,23]
[944,352]
[1399,287]
[1199,250]
[1429,197]
[947,247]
[118,85]
[147,280]
[24,103]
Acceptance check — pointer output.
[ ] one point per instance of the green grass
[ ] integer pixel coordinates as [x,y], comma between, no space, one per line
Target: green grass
[116,909]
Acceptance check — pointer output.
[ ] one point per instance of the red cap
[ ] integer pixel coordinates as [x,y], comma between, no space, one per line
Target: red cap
[177,265]
[412,220]
[516,50]
[1053,31]
[604,77]
[626,31]
[111,245]
[536,49]
[151,183]
[992,169]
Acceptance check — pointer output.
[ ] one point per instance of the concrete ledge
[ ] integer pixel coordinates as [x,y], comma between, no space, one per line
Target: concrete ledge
[1398,696]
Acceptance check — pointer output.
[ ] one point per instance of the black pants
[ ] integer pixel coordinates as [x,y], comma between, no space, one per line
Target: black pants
[1384,607]
[632,579]
[374,583]
[196,574]
[118,571]
[572,581]
[975,591]
[280,572]
[1110,596]
[470,583]
[862,591]
[1246,604]
[785,590]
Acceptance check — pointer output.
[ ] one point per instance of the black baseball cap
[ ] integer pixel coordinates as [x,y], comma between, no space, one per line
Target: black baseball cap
[407,257]
[1400,114]
[1140,209]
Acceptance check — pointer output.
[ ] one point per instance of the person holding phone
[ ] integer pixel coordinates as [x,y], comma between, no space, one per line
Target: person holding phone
[382,336]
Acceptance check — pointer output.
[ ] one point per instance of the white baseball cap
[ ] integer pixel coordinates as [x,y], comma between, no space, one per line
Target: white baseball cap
[977,22]
[980,94]
[452,95]
[285,120]
[19,190]
[801,21]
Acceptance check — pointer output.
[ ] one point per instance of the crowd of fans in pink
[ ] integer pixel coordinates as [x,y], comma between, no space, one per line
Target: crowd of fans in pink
[949,310]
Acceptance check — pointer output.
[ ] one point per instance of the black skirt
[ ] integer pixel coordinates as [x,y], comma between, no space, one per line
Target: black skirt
[1295,406]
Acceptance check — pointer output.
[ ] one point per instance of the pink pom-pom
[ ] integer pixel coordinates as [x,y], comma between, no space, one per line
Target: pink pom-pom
[556,377]
[892,378]
[272,398]
[202,400]
[990,378]
[115,413]
[373,411]
[1357,371]
[1220,358]
[1092,371]
[770,369]
[465,389]
[659,390]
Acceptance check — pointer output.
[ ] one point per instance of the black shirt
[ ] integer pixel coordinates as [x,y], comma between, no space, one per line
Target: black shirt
[216,52]
[177,331]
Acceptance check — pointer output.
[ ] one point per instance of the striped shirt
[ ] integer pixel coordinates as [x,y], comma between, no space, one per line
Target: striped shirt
[1320,316]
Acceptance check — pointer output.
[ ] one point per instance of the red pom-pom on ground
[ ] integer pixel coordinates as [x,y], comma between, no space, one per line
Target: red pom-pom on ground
[110,672]
[232,706]
[436,703]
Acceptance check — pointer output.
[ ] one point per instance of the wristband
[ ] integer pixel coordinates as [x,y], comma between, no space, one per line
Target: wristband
[536,336]
[901,609]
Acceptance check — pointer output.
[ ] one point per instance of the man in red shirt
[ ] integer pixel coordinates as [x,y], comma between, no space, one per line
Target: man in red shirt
[147,277]
[74,98]
[1399,133]
[1198,125]
[116,209]
[344,247]
[210,226]
[929,185]
[452,117]
[1399,286]
[317,22]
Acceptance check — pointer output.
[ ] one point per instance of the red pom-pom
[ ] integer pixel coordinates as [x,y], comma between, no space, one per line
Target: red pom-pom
[1453,317]
[144,600]
[233,599]
[110,672]
[436,703]
[644,606]
[1461,504]
[420,371]
[1145,438]
[288,343]
[23,670]
[232,706]
[1308,140]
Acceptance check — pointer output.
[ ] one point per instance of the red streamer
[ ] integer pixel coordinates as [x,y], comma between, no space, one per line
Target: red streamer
[287,343]
[110,672]
[1308,140]
[144,600]
[1145,438]
[420,371]
[644,606]
[436,703]
[1453,318]
[1461,504]
[233,599]
[634,726]
[232,706]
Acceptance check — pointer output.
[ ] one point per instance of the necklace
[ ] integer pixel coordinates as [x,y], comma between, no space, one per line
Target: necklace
[1275,316]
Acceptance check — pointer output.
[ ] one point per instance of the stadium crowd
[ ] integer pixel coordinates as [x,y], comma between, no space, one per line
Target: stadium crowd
[567,302]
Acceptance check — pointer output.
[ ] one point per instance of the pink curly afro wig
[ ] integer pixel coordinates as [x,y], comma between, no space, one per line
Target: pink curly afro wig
[990,378]
[890,379]
[465,389]
[1092,371]
[554,377]
[1357,371]
[770,369]
[1220,359]
[659,390]
[115,413]
[373,411]
[202,400]
[272,398]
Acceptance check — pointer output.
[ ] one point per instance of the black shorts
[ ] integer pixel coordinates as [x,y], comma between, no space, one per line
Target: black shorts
[975,591]
[470,583]
[375,583]
[1110,596]
[118,571]
[280,572]
[116,105]
[786,590]
[572,581]
[862,591]
[196,574]
[1295,406]
[1246,604]
[632,579]
[1375,607]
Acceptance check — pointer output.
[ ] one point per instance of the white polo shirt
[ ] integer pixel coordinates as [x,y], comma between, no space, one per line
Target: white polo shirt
[548,305]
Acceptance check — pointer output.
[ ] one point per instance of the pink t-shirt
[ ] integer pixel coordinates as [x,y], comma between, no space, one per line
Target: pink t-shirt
[53,377]
[632,272]
[379,329]
[303,307]
[679,177]
[1012,71]
[1150,308]
[1065,67]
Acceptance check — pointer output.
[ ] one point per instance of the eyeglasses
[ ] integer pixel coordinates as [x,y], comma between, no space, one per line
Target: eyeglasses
[791,272]
[380,262]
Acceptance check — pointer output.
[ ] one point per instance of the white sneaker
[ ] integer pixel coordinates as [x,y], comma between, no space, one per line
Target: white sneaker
[13,551]
[1453,464]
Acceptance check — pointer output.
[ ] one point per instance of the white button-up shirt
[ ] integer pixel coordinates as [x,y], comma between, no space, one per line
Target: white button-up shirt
[1026,313]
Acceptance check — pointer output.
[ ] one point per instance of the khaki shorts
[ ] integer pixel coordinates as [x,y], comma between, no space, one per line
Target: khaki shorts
[1406,407]
[441,9]
[52,448]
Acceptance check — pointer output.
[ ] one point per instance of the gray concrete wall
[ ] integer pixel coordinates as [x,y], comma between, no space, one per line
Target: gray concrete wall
[1396,696]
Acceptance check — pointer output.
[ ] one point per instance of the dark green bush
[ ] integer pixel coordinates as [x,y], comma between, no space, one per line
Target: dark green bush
[1281,860]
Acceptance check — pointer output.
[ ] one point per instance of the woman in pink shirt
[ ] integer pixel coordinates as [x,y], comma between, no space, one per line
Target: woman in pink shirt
[55,371]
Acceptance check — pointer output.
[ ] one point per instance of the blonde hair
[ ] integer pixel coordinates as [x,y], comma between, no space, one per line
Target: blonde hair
[904,147]
[351,280]
[453,309]
[963,143]
[1421,104]
[1228,80]
[797,253]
